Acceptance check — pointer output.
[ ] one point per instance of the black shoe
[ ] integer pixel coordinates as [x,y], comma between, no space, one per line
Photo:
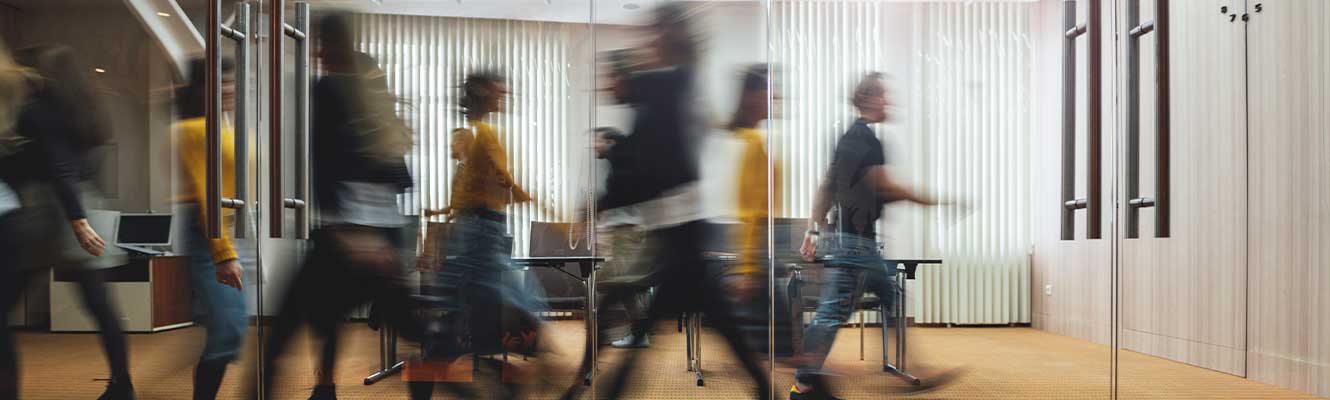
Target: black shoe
[322,392]
[118,390]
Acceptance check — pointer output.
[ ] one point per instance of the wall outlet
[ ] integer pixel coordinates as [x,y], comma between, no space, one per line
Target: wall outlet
[1048,290]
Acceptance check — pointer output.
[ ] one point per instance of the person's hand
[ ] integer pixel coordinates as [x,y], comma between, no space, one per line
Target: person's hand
[229,273]
[88,238]
[809,248]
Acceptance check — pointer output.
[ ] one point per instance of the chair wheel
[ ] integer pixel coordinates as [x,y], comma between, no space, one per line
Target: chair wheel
[701,383]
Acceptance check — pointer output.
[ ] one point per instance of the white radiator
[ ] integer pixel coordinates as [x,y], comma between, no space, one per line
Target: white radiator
[973,293]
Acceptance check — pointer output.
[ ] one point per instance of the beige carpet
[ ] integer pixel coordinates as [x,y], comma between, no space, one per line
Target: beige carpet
[1001,363]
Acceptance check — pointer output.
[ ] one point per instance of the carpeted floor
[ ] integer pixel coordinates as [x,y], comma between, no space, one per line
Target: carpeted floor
[999,363]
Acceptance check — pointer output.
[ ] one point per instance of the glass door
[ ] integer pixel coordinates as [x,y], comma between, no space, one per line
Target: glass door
[144,287]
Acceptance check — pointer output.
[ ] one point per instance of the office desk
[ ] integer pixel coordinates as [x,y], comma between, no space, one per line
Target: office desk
[905,269]
[586,272]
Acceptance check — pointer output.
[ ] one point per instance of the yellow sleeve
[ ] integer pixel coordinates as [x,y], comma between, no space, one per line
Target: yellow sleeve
[192,148]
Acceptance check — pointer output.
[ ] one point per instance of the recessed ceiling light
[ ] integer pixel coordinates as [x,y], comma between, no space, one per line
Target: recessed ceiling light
[631,6]
[162,14]
[99,70]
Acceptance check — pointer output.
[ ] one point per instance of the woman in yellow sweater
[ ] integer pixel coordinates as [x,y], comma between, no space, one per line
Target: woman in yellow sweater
[755,185]
[216,272]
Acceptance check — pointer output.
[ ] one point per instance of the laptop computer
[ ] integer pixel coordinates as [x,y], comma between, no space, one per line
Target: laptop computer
[144,233]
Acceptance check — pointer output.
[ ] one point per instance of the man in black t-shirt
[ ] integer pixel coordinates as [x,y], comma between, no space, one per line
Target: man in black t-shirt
[848,204]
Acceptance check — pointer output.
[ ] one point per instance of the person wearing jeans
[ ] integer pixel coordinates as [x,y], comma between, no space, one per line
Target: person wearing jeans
[848,203]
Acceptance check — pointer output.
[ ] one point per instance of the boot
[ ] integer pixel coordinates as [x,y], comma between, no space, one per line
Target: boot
[118,390]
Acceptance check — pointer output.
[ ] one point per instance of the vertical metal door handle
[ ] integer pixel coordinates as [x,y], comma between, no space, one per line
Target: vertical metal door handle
[240,33]
[1135,31]
[1092,202]
[276,200]
[212,203]
[275,56]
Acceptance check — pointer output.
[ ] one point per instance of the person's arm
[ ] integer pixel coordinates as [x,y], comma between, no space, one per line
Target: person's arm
[889,188]
[192,145]
[821,205]
[65,168]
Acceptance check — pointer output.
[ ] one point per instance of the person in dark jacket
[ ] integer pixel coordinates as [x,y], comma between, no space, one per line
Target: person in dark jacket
[654,170]
[358,162]
[61,125]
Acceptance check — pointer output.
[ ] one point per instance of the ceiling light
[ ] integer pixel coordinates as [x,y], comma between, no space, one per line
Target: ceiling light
[99,70]
[631,6]
[162,14]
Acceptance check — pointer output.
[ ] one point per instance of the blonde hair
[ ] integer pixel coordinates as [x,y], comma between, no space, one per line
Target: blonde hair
[14,85]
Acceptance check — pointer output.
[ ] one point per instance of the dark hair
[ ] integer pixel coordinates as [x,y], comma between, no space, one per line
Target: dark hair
[337,43]
[609,133]
[870,85]
[191,99]
[674,23]
[478,90]
[62,82]
[754,79]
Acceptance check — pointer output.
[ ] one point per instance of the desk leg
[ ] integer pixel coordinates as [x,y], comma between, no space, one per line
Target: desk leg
[899,368]
[696,323]
[388,364]
[592,325]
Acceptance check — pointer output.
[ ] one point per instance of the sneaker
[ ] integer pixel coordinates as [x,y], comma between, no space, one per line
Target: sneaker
[632,341]
[116,390]
[795,394]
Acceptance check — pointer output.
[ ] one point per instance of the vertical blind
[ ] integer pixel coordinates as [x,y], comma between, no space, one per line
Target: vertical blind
[975,68]
[965,123]
[427,58]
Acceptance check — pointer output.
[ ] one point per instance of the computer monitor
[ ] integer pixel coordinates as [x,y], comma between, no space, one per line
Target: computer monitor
[144,230]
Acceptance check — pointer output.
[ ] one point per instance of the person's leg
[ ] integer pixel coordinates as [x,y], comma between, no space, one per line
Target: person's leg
[839,284]
[92,287]
[300,304]
[11,287]
[225,320]
[724,319]
[680,255]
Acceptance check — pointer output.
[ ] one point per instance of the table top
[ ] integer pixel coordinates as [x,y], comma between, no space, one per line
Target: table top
[564,259]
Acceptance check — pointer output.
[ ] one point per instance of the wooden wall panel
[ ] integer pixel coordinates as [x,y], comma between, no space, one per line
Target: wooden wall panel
[1071,281]
[1183,297]
[1289,246]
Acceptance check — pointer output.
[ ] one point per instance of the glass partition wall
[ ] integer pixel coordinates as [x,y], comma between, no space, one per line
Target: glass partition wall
[663,199]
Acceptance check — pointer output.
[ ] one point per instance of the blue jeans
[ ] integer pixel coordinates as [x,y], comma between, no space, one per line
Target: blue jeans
[479,280]
[854,257]
[220,308]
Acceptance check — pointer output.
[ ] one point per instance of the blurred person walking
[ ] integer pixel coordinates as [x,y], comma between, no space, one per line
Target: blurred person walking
[655,170]
[358,152]
[216,270]
[848,204]
[482,307]
[48,162]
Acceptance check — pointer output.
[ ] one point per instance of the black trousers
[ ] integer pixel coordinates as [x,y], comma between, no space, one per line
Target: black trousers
[328,286]
[92,290]
[686,286]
